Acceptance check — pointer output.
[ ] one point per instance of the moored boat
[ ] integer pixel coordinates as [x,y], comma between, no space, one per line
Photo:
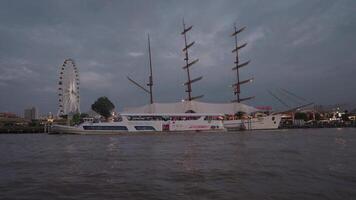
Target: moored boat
[136,123]
[255,123]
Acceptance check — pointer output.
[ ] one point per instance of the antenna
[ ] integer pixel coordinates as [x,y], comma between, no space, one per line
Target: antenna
[188,64]
[239,65]
[150,78]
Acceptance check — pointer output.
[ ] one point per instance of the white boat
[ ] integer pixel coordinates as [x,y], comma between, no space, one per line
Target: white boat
[177,117]
[253,118]
[255,123]
[135,123]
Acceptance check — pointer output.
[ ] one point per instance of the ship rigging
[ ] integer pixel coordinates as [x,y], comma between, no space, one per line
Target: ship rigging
[188,64]
[150,78]
[237,67]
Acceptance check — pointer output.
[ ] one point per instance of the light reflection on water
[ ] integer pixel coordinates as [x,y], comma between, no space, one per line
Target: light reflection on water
[283,164]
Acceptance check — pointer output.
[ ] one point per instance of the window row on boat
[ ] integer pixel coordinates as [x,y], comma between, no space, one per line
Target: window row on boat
[172,118]
[118,128]
[121,128]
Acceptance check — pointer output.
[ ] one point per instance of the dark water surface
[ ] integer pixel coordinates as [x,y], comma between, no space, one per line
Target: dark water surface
[283,164]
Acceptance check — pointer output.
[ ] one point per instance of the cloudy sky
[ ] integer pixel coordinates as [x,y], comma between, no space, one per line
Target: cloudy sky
[305,46]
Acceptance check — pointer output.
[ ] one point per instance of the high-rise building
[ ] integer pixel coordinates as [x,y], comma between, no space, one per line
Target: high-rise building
[31,113]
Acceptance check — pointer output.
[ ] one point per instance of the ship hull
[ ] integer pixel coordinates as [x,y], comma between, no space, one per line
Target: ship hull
[126,126]
[258,123]
[78,131]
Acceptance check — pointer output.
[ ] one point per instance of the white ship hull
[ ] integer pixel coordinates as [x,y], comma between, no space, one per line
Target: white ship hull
[138,123]
[258,123]
[130,125]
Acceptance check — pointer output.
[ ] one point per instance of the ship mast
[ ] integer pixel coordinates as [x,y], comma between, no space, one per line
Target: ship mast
[188,64]
[238,83]
[150,78]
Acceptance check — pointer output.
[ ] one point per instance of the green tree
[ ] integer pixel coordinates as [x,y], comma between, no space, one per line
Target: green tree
[103,106]
[76,118]
[300,115]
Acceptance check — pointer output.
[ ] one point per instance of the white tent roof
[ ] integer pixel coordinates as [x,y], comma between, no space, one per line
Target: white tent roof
[196,106]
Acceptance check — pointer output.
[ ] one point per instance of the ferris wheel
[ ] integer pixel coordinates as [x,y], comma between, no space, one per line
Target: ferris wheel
[68,88]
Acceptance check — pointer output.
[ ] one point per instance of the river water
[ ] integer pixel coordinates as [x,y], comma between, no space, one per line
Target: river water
[282,164]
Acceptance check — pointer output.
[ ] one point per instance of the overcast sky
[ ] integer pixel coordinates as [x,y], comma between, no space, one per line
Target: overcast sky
[305,46]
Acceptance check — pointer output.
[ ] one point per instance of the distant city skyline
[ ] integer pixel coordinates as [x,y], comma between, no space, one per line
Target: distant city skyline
[31,113]
[304,46]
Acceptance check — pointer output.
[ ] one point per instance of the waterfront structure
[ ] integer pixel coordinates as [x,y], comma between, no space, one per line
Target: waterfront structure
[68,89]
[31,113]
[9,119]
[8,115]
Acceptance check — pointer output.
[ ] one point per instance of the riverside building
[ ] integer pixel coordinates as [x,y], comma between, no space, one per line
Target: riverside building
[31,113]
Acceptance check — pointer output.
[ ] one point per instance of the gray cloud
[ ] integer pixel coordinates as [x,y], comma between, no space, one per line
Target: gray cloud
[301,45]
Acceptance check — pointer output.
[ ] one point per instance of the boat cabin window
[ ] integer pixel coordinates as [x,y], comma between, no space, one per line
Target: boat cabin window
[184,118]
[236,117]
[209,118]
[162,118]
[88,119]
[190,111]
[121,128]
[145,128]
[144,118]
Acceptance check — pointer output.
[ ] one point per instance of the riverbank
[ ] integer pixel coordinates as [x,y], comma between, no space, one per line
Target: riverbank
[15,130]
[336,124]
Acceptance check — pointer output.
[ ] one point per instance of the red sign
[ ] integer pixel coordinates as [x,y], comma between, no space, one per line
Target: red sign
[264,107]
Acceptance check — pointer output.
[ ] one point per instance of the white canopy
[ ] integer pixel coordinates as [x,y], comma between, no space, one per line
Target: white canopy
[196,106]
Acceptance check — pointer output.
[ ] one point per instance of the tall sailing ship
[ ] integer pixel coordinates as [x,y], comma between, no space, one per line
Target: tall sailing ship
[188,114]
[241,121]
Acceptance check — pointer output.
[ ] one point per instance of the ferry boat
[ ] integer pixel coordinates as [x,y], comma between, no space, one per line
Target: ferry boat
[136,123]
[254,123]
[251,118]
[193,116]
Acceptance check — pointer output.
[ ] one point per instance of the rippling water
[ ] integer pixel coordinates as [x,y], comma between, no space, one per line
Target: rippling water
[283,164]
